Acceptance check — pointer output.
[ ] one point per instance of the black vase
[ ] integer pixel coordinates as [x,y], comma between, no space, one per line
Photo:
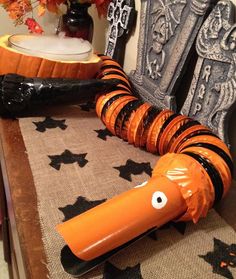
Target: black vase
[77,22]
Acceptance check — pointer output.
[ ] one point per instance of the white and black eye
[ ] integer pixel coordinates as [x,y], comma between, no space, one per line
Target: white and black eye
[159,200]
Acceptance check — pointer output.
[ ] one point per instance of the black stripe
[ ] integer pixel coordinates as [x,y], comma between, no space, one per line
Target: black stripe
[218,151]
[111,67]
[212,172]
[165,124]
[107,58]
[184,127]
[121,115]
[126,84]
[181,129]
[120,87]
[121,82]
[148,120]
[114,73]
[151,115]
[128,110]
[200,132]
[110,59]
[109,103]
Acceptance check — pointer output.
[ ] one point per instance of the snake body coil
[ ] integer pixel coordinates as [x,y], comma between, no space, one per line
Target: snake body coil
[163,131]
[193,174]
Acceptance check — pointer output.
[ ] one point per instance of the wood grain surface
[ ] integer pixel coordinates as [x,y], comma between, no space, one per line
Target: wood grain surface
[21,202]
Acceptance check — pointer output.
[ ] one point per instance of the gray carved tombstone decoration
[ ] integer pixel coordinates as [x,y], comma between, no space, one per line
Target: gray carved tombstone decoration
[212,94]
[168,30]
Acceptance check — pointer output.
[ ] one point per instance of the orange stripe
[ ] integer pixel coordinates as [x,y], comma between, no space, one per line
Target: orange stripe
[182,137]
[217,161]
[169,131]
[155,130]
[123,101]
[205,138]
[112,109]
[101,101]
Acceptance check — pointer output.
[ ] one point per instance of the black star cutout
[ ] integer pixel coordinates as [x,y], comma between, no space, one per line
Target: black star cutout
[112,272]
[87,106]
[81,205]
[67,158]
[221,258]
[179,226]
[103,134]
[153,235]
[50,123]
[134,168]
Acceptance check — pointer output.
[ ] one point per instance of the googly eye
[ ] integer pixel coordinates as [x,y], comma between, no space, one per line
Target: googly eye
[159,200]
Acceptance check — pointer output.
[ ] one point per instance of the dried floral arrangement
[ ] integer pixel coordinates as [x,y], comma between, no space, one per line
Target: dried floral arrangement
[22,11]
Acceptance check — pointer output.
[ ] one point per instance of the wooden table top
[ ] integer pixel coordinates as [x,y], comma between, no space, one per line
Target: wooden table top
[22,203]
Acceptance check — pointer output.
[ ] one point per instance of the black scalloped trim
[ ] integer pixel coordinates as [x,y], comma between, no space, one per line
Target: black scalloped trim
[165,124]
[114,73]
[212,172]
[201,132]
[110,102]
[218,151]
[129,110]
[184,127]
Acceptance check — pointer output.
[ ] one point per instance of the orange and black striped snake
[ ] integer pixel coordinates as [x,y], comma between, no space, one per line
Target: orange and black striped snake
[193,174]
[161,131]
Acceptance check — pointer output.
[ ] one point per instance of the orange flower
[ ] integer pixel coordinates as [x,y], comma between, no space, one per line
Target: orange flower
[33,26]
[5,3]
[17,9]
[43,2]
[102,6]
[41,9]
[86,1]
[52,5]
[99,2]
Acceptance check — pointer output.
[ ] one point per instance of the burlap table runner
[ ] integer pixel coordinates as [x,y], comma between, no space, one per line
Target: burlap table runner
[101,167]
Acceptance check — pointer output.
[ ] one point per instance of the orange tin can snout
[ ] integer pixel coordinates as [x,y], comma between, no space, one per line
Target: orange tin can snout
[123,218]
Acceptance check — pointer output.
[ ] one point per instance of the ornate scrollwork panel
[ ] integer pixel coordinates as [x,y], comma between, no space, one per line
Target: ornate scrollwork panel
[212,94]
[167,33]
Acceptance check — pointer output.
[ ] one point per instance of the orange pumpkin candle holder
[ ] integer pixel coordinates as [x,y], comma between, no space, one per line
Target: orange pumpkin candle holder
[17,62]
